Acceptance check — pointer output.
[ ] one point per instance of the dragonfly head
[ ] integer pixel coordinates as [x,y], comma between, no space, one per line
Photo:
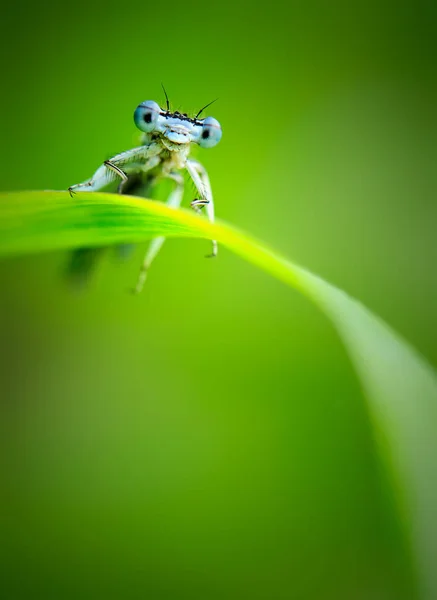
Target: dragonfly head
[176,127]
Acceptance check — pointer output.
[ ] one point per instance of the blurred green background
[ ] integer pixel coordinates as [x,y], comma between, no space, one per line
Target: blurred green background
[209,438]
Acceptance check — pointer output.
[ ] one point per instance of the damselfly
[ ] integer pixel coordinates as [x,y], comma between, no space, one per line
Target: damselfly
[165,146]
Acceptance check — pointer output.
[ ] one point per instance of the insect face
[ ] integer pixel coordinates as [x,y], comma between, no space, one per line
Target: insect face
[177,128]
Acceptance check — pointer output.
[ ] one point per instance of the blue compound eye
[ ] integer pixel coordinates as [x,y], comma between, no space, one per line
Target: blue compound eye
[211,133]
[146,116]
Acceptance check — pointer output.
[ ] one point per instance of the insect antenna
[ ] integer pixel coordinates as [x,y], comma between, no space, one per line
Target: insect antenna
[166,97]
[206,106]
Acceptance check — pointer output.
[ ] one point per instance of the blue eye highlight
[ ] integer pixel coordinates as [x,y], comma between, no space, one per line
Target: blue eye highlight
[146,116]
[211,133]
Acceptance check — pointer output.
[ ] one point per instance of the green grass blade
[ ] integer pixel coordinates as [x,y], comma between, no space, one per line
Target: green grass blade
[400,387]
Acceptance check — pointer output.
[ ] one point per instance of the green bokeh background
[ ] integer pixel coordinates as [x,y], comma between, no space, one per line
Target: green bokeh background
[209,438]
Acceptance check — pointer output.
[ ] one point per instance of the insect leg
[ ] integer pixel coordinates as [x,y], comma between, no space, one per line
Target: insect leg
[174,200]
[201,181]
[120,165]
